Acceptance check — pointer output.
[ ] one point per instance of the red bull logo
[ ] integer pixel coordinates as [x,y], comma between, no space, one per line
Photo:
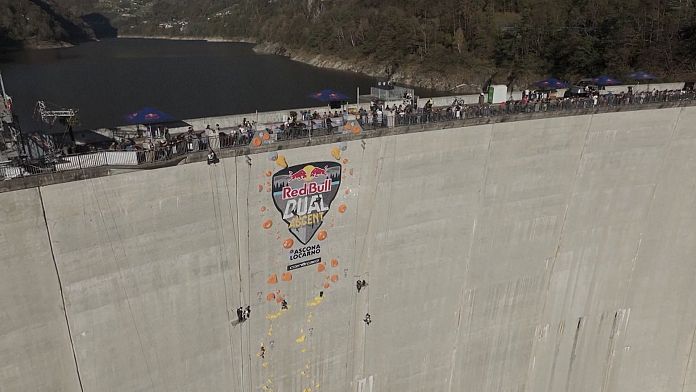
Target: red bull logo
[317,171]
[298,175]
[308,189]
[303,195]
[308,173]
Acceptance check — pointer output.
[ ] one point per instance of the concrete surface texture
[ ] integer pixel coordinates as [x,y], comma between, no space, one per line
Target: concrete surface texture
[541,256]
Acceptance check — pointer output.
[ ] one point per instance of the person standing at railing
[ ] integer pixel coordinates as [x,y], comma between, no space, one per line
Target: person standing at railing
[241,136]
[195,142]
[203,141]
[149,153]
[213,136]
[189,139]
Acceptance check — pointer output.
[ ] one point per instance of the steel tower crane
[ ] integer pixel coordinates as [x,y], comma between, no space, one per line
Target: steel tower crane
[49,114]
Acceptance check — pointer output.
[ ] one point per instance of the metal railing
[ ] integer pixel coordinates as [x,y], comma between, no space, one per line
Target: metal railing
[161,151]
[570,105]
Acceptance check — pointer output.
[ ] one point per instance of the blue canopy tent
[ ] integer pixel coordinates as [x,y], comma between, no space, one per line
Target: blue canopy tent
[605,81]
[551,84]
[148,116]
[641,75]
[329,96]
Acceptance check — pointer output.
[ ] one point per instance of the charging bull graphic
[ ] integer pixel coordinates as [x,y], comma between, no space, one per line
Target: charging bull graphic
[303,195]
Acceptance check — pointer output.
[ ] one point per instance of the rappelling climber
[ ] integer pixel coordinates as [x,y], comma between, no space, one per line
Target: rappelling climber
[360,284]
[212,157]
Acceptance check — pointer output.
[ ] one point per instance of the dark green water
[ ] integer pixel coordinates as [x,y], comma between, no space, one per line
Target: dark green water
[188,79]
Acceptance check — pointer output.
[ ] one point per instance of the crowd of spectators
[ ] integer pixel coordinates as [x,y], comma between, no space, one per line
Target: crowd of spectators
[538,101]
[158,143]
[306,124]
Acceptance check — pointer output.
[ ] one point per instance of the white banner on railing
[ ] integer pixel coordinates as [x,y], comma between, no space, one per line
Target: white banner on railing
[72,162]
[101,158]
[8,172]
[126,158]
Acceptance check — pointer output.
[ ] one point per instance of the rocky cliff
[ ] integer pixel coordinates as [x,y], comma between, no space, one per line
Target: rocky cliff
[40,24]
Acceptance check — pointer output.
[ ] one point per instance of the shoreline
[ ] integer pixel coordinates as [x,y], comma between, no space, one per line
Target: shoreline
[240,40]
[407,77]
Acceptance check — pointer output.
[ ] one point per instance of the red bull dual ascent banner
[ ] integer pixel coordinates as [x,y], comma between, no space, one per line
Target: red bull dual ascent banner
[303,195]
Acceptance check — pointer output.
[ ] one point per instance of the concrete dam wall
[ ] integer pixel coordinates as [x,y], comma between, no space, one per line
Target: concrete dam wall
[533,256]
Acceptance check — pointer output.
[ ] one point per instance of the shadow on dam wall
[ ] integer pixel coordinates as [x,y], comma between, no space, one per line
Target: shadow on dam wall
[545,255]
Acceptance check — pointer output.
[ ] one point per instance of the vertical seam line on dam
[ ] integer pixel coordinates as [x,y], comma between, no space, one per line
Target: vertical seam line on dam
[234,216]
[239,265]
[248,263]
[120,272]
[479,203]
[357,273]
[60,287]
[688,361]
[220,234]
[569,200]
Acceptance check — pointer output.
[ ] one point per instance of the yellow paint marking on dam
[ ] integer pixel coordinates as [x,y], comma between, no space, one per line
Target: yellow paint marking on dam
[315,302]
[273,316]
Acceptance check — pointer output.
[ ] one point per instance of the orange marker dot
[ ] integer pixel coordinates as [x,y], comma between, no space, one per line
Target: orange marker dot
[326,285]
[256,142]
[273,279]
[266,136]
[321,267]
[334,263]
[287,276]
[279,299]
[287,244]
[342,208]
[267,224]
[269,173]
[334,278]
[263,209]
[345,161]
[260,188]
[270,297]
[347,191]
[322,235]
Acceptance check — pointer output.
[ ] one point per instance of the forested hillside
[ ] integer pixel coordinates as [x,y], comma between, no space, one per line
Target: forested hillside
[39,23]
[423,40]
